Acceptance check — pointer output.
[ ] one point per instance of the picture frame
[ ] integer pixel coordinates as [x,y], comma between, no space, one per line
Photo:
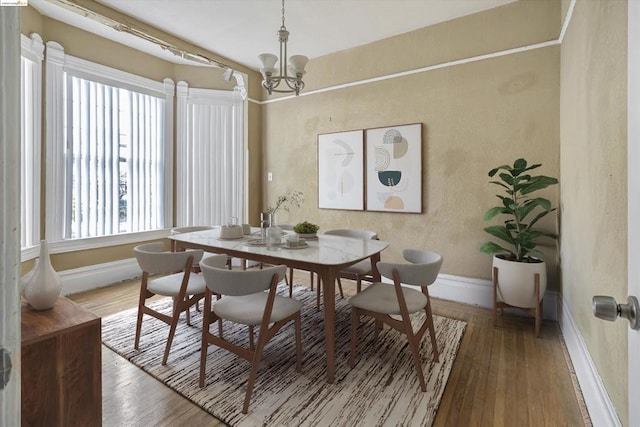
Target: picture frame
[341,170]
[394,168]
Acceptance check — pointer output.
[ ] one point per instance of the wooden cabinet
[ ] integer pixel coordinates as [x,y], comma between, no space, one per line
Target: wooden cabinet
[61,366]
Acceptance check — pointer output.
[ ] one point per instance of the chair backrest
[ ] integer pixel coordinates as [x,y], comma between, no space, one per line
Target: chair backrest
[422,271]
[355,233]
[238,282]
[153,259]
[190,229]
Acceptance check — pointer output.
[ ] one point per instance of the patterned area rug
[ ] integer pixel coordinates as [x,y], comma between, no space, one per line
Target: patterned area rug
[382,389]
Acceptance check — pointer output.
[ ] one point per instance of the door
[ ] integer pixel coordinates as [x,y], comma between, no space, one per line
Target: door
[9,215]
[633,199]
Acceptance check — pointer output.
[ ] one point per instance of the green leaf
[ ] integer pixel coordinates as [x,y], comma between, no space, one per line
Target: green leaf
[507,178]
[492,172]
[501,232]
[494,248]
[540,215]
[491,213]
[520,164]
[500,184]
[538,183]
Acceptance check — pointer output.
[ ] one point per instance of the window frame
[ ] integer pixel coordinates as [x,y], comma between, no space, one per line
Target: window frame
[32,49]
[58,65]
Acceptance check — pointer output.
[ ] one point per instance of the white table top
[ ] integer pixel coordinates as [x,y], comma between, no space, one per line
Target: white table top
[328,250]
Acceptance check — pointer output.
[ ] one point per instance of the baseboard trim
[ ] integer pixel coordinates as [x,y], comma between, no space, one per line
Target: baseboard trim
[599,405]
[98,275]
[479,292]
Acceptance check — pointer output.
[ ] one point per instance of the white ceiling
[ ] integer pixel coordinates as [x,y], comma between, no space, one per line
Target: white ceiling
[242,29]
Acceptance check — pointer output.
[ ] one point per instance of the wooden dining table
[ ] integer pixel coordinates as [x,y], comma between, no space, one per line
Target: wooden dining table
[326,256]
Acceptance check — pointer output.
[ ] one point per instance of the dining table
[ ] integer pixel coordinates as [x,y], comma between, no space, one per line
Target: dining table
[324,255]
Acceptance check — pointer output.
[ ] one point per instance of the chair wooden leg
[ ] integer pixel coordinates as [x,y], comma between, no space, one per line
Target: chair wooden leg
[251,344]
[318,294]
[355,318]
[290,282]
[432,331]
[188,311]
[257,356]
[204,344]
[311,279]
[340,287]
[298,328]
[413,345]
[143,291]
[377,327]
[172,332]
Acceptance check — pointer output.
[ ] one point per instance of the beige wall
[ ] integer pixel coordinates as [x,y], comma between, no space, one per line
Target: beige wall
[593,176]
[474,116]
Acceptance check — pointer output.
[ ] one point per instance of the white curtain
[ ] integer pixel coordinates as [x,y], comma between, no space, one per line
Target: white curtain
[210,163]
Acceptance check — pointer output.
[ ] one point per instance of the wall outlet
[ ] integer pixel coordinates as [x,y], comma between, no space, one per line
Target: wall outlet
[269,176]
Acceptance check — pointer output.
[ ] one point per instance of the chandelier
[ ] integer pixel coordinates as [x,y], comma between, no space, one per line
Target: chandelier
[291,76]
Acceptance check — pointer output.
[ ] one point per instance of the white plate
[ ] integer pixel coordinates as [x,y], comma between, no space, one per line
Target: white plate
[300,245]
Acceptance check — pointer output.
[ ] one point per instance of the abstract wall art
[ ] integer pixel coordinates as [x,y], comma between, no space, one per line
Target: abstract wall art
[394,168]
[341,170]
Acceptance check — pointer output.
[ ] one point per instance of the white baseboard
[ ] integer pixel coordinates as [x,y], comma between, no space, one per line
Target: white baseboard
[479,292]
[599,405]
[99,275]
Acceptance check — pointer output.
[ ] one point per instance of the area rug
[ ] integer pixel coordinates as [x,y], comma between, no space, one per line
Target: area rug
[382,389]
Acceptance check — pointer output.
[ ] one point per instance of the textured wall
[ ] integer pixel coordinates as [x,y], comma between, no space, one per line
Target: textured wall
[594,175]
[475,116]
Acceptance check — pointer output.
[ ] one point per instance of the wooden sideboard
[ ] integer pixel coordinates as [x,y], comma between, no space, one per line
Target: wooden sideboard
[61,366]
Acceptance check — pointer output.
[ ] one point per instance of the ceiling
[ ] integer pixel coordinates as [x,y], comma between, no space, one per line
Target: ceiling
[242,29]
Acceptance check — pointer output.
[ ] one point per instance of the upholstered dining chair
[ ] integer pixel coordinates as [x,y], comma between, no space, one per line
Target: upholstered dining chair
[359,271]
[176,279]
[383,300]
[244,301]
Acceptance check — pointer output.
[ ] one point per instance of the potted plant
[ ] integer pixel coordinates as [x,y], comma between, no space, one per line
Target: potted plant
[516,256]
[306,229]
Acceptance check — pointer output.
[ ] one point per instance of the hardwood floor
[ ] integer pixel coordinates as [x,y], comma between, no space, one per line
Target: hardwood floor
[502,376]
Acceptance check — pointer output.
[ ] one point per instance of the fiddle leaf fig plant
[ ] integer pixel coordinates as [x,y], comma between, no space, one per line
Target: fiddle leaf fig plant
[522,209]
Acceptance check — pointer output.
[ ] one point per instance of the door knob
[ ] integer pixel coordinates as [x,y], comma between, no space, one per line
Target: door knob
[605,307]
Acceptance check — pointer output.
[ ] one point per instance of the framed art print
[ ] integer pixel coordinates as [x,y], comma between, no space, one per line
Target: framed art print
[341,170]
[394,168]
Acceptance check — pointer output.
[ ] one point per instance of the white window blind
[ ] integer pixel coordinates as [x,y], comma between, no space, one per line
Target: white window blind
[30,139]
[109,151]
[116,159]
[210,156]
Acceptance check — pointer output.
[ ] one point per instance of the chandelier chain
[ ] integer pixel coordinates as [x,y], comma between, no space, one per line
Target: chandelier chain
[283,26]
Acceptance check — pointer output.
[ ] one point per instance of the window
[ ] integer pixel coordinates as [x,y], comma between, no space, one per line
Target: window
[109,150]
[116,160]
[210,156]
[30,139]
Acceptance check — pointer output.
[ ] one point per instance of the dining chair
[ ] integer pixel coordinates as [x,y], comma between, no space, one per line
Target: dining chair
[176,279]
[362,270]
[383,300]
[244,301]
[289,227]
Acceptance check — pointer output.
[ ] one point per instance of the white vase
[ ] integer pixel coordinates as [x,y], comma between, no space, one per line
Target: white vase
[41,286]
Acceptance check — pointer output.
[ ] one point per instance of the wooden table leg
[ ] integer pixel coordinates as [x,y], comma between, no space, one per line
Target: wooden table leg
[329,288]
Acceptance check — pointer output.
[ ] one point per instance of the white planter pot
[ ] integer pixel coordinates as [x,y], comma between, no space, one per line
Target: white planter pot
[516,281]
